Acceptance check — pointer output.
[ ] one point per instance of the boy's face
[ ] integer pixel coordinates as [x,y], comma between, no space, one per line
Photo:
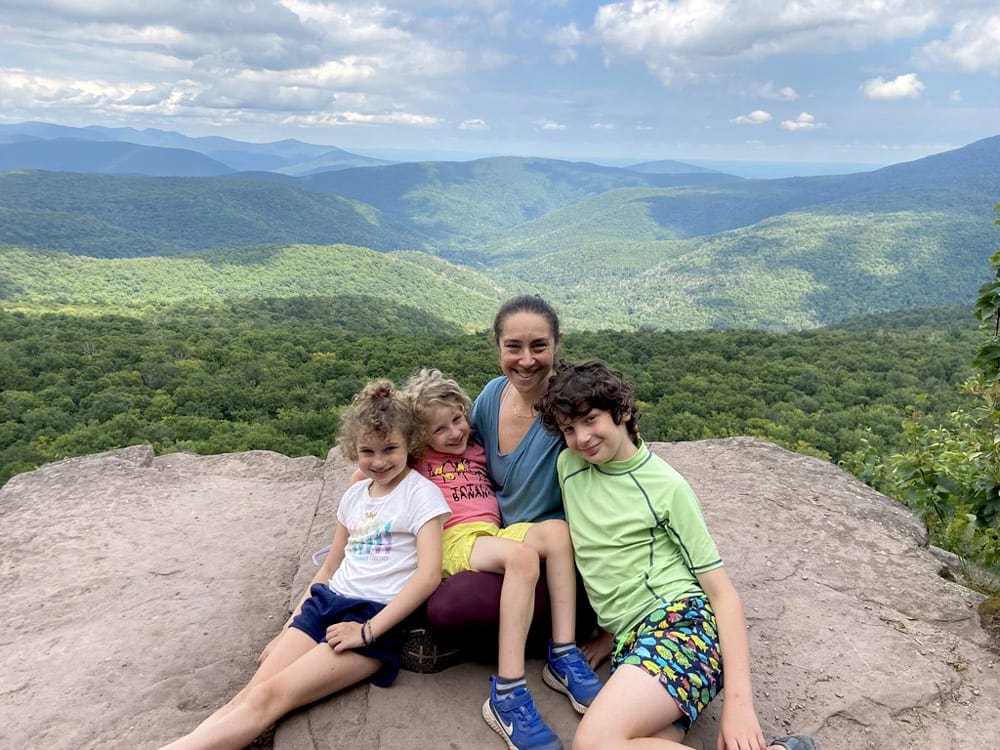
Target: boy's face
[448,428]
[595,437]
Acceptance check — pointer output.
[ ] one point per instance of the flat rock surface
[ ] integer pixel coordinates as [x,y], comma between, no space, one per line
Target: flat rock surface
[138,590]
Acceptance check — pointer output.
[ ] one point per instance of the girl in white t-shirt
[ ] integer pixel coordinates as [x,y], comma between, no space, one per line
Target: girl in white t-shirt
[384,561]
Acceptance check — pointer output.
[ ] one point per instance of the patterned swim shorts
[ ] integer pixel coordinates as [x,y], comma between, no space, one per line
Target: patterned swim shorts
[679,645]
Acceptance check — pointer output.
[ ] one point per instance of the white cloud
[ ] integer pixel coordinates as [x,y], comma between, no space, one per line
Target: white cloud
[362,118]
[972,45]
[906,86]
[804,121]
[273,60]
[956,95]
[565,36]
[473,124]
[785,93]
[688,38]
[549,125]
[757,117]
[565,39]
[602,126]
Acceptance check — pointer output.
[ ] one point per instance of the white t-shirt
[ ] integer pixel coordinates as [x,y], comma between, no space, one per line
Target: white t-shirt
[381,552]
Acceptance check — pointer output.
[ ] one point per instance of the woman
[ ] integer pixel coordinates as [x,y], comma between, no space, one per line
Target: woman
[520,458]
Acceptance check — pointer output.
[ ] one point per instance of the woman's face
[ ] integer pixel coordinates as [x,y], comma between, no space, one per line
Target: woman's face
[527,351]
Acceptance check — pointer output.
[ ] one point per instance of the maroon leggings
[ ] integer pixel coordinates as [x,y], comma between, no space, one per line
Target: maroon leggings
[466,608]
[472,600]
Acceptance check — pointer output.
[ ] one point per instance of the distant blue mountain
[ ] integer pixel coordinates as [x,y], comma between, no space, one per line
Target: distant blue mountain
[668,166]
[289,156]
[99,157]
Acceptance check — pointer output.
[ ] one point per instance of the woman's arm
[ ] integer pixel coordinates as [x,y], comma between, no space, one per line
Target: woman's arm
[739,727]
[421,584]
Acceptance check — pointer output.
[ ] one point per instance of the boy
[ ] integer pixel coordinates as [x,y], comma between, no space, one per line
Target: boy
[474,540]
[653,576]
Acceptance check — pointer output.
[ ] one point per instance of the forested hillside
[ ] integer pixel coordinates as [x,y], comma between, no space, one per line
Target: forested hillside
[42,280]
[119,216]
[615,248]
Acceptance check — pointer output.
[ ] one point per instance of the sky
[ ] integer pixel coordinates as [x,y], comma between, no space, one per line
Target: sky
[846,81]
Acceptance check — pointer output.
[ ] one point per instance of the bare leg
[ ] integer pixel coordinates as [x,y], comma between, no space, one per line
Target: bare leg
[519,565]
[315,674]
[613,720]
[633,711]
[292,644]
[550,539]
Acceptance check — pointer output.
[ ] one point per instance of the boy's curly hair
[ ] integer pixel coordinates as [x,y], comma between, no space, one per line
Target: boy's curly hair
[377,409]
[428,389]
[576,388]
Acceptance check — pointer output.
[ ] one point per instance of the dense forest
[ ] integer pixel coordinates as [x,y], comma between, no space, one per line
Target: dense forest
[274,374]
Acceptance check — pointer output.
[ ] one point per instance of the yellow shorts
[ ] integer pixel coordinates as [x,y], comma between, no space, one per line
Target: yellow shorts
[457,541]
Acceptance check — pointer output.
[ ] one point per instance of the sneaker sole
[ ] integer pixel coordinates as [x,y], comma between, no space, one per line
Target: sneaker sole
[491,720]
[550,679]
[425,654]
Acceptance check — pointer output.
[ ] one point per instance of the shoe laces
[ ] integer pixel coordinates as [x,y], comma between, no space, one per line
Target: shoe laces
[575,663]
[523,707]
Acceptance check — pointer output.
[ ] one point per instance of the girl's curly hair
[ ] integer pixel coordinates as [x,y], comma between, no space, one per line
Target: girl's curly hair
[377,410]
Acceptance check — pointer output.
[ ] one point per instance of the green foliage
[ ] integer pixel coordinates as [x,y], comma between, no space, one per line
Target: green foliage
[59,281]
[949,471]
[615,248]
[131,216]
[274,373]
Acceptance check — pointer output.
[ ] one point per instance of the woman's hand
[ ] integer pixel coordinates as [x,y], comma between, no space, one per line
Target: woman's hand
[344,636]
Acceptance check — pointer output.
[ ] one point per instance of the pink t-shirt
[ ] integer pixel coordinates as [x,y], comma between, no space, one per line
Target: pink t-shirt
[464,483]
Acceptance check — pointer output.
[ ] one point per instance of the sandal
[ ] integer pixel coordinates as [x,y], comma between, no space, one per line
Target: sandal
[795,742]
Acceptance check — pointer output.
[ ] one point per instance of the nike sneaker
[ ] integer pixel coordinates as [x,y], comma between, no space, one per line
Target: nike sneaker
[516,720]
[572,676]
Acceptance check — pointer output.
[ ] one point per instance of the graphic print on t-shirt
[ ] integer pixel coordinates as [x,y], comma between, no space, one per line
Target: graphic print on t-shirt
[372,540]
[462,480]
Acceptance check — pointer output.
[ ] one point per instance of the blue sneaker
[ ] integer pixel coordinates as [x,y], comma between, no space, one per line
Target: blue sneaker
[516,719]
[571,675]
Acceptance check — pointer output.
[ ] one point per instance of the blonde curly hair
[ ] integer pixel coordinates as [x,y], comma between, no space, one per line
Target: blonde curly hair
[426,390]
[378,409]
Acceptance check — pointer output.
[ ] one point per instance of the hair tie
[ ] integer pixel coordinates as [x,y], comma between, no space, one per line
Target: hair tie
[382,393]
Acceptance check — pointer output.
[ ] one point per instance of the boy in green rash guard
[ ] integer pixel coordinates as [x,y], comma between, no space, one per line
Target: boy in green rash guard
[653,575]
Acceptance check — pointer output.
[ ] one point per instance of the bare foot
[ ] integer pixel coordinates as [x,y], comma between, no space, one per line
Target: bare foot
[598,648]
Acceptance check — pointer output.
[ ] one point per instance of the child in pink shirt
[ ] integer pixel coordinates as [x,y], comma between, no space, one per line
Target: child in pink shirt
[474,540]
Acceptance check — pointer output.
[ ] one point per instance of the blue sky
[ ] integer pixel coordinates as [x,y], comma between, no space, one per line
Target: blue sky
[853,81]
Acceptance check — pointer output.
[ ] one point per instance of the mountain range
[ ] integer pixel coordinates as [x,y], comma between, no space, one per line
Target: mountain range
[291,156]
[657,245]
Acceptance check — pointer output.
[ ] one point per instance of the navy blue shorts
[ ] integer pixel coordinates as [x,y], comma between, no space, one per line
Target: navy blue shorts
[324,608]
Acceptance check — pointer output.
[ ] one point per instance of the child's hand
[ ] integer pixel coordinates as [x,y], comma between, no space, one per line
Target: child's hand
[739,728]
[344,635]
[598,648]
